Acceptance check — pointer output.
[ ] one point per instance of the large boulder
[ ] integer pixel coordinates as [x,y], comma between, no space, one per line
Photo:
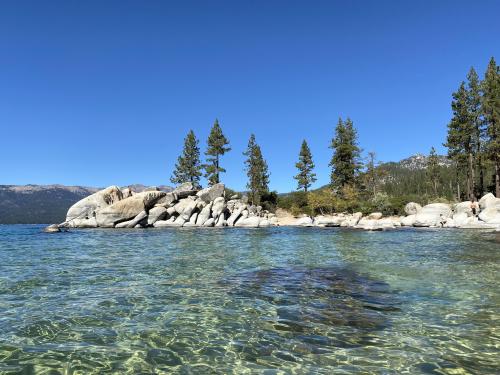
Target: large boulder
[351,220]
[328,221]
[157,213]
[204,215]
[139,219]
[81,223]
[188,210]
[463,208]
[127,209]
[87,207]
[184,190]
[412,208]
[408,221]
[235,215]
[491,214]
[248,222]
[182,204]
[488,200]
[210,193]
[167,200]
[433,215]
[219,205]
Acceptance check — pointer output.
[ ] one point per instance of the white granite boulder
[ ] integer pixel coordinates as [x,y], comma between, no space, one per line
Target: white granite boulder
[412,208]
[127,209]
[87,207]
[433,215]
[210,193]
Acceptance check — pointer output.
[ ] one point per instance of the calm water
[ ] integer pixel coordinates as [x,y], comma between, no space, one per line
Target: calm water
[277,300]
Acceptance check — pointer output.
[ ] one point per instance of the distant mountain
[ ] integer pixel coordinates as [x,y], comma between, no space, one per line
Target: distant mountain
[419,161]
[44,204]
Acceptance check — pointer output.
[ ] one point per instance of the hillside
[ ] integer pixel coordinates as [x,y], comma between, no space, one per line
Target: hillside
[42,204]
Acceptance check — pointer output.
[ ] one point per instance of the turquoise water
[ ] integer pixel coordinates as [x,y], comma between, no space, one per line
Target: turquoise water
[277,300]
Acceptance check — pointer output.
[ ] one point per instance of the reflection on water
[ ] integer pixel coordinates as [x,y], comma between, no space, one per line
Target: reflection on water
[301,300]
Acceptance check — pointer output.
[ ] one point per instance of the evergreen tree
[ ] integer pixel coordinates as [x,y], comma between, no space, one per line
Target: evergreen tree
[306,177]
[474,108]
[257,171]
[433,170]
[491,111]
[345,162]
[460,136]
[188,167]
[217,146]
[373,175]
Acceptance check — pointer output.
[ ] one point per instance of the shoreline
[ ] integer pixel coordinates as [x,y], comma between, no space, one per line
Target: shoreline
[187,206]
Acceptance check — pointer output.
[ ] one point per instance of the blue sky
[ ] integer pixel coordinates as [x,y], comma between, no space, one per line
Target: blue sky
[103,92]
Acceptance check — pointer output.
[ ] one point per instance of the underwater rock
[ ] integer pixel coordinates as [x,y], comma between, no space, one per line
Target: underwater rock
[308,298]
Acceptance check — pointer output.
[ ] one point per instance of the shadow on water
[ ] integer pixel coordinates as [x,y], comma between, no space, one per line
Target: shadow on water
[321,306]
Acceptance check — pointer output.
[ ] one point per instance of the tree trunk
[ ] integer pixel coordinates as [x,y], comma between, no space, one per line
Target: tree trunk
[497,177]
[481,175]
[472,191]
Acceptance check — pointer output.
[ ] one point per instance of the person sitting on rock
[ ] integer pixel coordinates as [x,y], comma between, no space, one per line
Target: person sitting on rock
[474,206]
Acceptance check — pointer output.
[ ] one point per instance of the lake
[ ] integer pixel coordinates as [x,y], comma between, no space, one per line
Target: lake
[267,300]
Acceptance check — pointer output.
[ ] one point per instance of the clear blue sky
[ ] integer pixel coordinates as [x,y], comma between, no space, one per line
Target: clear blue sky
[103,92]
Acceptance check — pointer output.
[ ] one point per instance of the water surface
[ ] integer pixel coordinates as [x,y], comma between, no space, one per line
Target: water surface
[268,300]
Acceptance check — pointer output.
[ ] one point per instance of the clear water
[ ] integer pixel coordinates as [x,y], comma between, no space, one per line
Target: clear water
[277,300]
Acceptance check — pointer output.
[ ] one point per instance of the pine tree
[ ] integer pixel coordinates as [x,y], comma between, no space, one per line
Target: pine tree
[257,171]
[474,108]
[373,174]
[306,177]
[217,146]
[345,162]
[188,167]
[491,111]
[433,170]
[460,135]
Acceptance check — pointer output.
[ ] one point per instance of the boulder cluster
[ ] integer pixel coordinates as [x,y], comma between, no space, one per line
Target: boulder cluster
[185,206]
[435,215]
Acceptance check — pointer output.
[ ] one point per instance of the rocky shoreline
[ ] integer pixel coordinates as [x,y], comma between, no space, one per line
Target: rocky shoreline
[186,206]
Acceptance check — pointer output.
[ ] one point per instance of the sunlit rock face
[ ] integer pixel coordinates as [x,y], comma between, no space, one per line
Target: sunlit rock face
[314,302]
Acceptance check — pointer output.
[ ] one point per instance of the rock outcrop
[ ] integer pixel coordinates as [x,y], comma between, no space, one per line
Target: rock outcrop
[187,206]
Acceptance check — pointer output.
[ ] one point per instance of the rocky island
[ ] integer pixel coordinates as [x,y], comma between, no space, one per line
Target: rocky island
[187,206]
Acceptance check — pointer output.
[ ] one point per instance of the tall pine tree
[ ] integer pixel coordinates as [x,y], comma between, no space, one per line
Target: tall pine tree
[491,111]
[217,146]
[433,171]
[460,136]
[474,108]
[306,177]
[257,171]
[188,167]
[345,162]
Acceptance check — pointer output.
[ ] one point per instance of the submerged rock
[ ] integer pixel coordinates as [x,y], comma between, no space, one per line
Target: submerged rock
[307,298]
